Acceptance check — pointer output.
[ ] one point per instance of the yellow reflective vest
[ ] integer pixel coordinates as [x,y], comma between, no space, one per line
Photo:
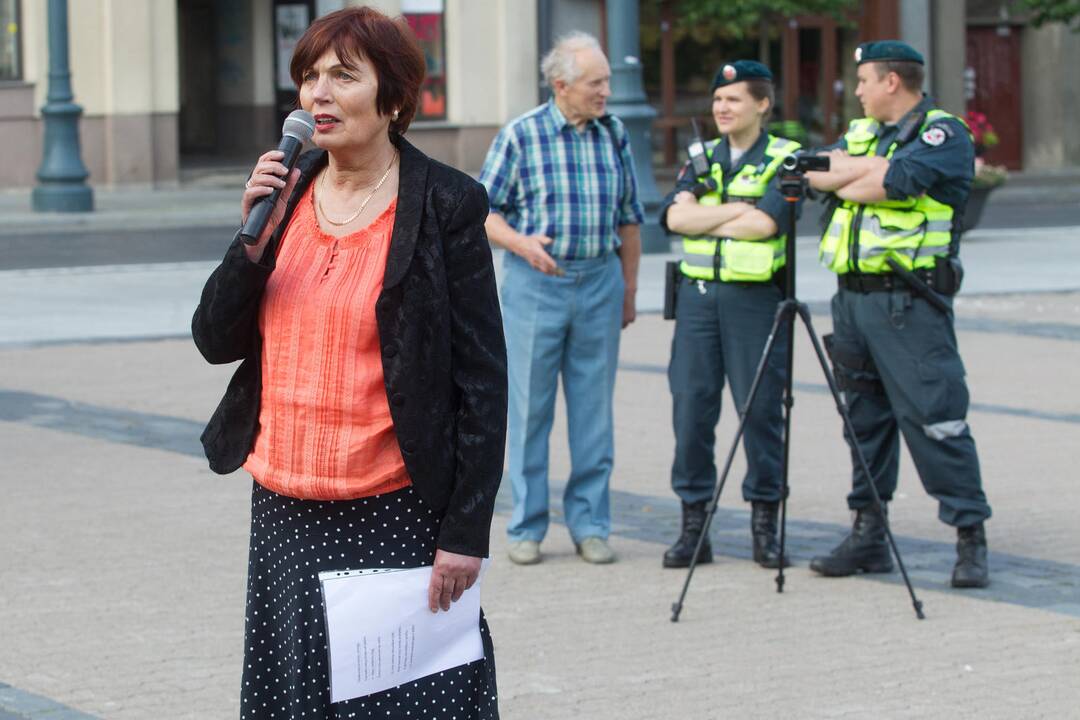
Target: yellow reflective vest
[914,231]
[705,256]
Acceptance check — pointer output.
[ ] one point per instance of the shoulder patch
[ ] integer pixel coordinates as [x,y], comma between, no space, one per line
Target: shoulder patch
[934,136]
[949,125]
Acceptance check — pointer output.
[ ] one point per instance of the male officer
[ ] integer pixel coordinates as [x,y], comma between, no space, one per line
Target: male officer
[900,178]
[733,258]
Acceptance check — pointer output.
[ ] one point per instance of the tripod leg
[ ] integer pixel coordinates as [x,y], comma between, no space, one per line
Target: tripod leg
[783,538]
[785,312]
[841,407]
[789,402]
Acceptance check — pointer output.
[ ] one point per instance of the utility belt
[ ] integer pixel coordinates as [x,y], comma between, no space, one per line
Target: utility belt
[777,279]
[674,277]
[944,278]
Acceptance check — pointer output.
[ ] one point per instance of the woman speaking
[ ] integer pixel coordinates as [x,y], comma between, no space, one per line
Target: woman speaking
[370,403]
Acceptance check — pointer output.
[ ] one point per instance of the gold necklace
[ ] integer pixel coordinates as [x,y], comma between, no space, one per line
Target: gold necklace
[363,205]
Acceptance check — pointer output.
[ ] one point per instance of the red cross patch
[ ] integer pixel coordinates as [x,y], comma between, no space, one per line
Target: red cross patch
[933,136]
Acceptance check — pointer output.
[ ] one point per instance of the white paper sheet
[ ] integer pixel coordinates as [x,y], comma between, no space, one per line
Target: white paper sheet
[381,633]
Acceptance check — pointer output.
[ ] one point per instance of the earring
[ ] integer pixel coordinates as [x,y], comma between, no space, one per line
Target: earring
[394,117]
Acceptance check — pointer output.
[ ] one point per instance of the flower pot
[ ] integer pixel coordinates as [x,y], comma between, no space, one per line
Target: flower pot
[974,209]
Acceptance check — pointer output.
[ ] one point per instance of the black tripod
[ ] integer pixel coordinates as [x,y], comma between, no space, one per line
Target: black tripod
[793,185]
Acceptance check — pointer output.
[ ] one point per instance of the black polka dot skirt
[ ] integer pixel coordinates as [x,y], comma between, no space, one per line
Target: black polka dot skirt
[285,662]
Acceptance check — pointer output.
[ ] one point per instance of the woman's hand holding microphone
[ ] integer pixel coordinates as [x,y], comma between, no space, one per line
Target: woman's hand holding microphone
[267,175]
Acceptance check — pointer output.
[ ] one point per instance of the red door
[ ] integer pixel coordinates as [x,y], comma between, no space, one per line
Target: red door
[994,55]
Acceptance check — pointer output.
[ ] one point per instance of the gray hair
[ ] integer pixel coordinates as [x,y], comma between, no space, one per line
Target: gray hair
[561,62]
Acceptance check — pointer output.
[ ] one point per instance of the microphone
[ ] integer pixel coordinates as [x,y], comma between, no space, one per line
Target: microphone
[297,130]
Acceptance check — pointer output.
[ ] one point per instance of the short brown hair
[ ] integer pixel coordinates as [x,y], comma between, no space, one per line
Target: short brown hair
[761,89]
[389,45]
[911,74]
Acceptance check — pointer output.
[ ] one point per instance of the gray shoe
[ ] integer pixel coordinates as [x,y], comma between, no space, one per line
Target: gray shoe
[524,552]
[595,550]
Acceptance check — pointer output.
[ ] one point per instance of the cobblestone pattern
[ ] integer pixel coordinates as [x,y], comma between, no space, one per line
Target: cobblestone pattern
[122,580]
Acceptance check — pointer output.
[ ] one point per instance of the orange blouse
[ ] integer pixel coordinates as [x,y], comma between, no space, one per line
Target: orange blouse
[325,428]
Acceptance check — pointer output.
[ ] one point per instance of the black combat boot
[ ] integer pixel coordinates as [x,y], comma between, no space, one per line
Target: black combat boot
[693,522]
[865,548]
[763,528]
[971,569]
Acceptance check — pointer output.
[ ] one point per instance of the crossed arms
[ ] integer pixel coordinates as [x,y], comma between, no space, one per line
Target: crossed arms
[856,179]
[737,220]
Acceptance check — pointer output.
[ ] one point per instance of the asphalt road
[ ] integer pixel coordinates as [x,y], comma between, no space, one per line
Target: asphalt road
[82,249]
[90,248]
[1031,215]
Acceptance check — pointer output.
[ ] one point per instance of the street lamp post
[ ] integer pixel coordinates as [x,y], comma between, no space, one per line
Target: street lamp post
[62,177]
[627,101]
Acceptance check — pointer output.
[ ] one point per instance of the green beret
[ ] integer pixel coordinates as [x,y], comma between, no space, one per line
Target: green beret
[739,71]
[886,50]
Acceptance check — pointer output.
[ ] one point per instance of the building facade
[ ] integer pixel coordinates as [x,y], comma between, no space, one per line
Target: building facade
[123,58]
[164,83]
[1024,79]
[169,84]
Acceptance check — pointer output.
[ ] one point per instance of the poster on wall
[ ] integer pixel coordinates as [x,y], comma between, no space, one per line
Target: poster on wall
[426,18]
[290,22]
[323,7]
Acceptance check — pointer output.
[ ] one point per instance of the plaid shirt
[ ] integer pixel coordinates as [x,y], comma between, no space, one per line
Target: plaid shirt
[546,178]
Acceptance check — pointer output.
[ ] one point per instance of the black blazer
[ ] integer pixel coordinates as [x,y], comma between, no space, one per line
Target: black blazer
[440,331]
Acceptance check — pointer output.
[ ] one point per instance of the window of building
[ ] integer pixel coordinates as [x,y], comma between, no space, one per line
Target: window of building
[290,22]
[10,60]
[426,18]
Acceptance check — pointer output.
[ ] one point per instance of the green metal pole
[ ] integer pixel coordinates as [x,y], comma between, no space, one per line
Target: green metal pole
[62,176]
[627,102]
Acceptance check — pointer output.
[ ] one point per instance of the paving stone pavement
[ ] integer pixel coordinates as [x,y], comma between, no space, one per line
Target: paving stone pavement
[122,579]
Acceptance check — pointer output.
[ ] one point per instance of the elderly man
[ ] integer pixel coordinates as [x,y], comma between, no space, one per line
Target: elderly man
[564,205]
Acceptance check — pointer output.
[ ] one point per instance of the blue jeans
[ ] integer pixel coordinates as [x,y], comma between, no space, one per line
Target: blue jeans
[568,324]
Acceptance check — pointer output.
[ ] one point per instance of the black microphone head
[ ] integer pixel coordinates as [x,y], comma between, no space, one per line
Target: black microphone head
[705,187]
[300,124]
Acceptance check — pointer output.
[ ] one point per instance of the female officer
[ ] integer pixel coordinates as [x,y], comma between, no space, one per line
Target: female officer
[733,255]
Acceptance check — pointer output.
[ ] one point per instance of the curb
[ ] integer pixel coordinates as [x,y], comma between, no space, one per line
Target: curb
[18,704]
[1066,194]
[148,219]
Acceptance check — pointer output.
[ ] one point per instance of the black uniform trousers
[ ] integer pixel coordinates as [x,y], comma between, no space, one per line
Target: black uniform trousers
[720,331]
[906,377]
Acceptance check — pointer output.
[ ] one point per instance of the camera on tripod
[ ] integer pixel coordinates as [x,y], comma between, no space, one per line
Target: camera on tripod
[805,163]
[792,173]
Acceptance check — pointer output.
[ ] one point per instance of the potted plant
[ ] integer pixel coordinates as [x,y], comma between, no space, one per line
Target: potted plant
[987,176]
[982,132]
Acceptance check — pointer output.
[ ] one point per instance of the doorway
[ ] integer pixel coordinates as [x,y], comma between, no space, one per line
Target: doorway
[197,28]
[993,57]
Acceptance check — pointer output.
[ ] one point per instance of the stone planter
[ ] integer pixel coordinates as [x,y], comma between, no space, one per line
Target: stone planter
[974,209]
